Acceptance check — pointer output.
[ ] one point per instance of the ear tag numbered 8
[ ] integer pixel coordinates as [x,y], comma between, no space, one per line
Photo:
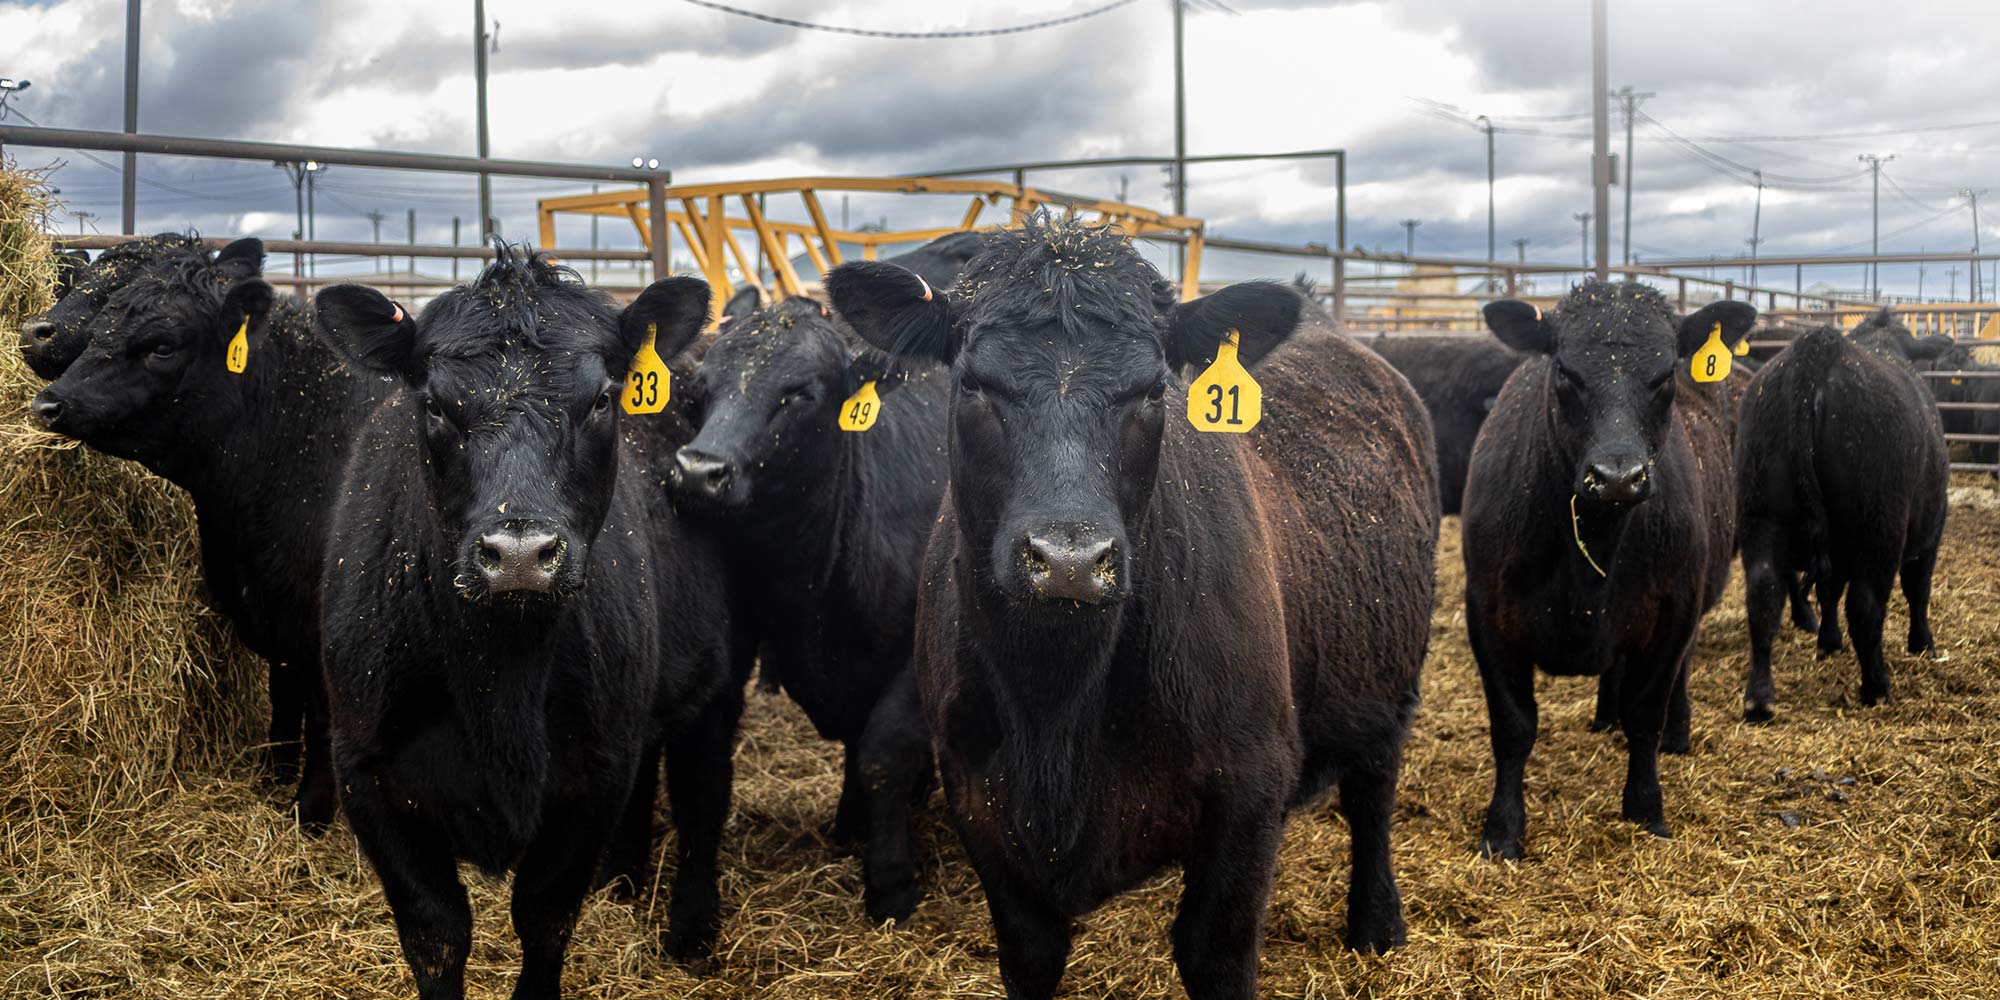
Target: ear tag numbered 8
[1225,399]
[236,357]
[1711,363]
[648,383]
[859,411]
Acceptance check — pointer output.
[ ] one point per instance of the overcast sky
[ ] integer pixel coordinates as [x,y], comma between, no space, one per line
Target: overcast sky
[721,97]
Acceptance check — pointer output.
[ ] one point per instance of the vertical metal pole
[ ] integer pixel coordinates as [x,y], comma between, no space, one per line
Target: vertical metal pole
[593,240]
[479,73]
[312,224]
[656,222]
[297,171]
[1756,231]
[1600,160]
[413,242]
[129,223]
[454,242]
[1340,200]
[1489,201]
[1180,128]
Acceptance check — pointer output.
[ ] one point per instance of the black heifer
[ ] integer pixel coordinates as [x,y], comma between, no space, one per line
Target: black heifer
[1841,477]
[1956,378]
[1458,378]
[1139,644]
[53,339]
[258,451]
[825,529]
[1598,526]
[513,618]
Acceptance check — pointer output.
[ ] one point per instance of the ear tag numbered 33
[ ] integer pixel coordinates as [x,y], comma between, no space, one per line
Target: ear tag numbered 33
[1225,399]
[1711,363]
[648,383]
[236,357]
[859,411]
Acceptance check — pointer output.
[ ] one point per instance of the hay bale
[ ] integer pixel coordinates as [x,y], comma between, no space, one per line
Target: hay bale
[117,675]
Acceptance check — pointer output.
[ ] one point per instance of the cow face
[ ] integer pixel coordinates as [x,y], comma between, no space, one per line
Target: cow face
[1066,349]
[53,339]
[1615,351]
[772,386]
[151,373]
[514,381]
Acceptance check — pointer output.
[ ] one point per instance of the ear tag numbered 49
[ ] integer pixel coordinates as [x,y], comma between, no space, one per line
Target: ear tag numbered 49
[1225,399]
[1711,363]
[236,357]
[648,383]
[859,411]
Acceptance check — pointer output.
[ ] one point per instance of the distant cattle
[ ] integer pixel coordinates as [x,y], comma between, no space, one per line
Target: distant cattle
[514,620]
[1841,478]
[1458,378]
[53,339]
[1956,378]
[1598,526]
[834,524]
[1139,644]
[258,450]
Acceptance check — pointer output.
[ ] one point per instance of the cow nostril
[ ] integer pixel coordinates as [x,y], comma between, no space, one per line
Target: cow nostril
[489,552]
[549,556]
[39,332]
[47,410]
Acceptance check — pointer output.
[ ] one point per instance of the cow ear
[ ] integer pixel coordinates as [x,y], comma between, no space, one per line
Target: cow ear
[1930,348]
[1261,313]
[368,330]
[1736,318]
[677,308]
[895,310]
[747,300]
[70,265]
[1520,326]
[242,259]
[889,373]
[246,305]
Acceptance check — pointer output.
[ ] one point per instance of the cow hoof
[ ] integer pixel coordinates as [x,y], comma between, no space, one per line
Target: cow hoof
[1872,698]
[1601,724]
[1372,937]
[313,817]
[690,949]
[1676,745]
[1658,828]
[893,902]
[1501,850]
[1806,622]
[1921,645]
[1758,712]
[1828,652]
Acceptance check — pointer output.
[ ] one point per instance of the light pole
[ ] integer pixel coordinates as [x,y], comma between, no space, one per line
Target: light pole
[1410,236]
[1756,228]
[1972,289]
[8,88]
[1487,127]
[1875,223]
[1583,219]
[1630,100]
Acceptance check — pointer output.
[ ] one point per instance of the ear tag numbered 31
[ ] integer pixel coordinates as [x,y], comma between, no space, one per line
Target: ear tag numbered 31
[648,383]
[1711,363]
[859,411]
[236,357]
[1225,399]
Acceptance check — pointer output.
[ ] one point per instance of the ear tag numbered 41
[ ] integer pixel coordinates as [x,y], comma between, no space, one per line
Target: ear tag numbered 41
[858,413]
[648,383]
[1711,363]
[236,357]
[1225,399]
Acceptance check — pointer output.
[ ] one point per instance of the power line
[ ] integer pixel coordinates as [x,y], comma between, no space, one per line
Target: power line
[871,33]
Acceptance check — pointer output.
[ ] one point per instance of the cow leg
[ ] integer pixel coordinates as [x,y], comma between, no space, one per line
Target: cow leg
[1374,906]
[1829,620]
[1764,594]
[628,858]
[1227,887]
[314,802]
[895,758]
[420,880]
[551,881]
[1675,738]
[850,817]
[700,767]
[1033,937]
[1512,718]
[1803,618]
[1866,604]
[1917,590]
[1648,690]
[288,711]
[1605,718]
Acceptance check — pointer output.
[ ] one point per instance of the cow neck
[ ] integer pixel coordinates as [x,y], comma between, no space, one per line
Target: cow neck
[805,524]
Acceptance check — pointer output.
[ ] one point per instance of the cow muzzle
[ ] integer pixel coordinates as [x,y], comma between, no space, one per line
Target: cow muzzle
[519,557]
[1072,563]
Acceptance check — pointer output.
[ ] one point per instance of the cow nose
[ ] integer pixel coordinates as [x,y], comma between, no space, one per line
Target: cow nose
[37,333]
[1070,568]
[1619,483]
[520,558]
[47,410]
[702,472]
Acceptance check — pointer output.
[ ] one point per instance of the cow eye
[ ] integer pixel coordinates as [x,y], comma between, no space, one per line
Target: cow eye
[603,401]
[432,409]
[968,383]
[797,392]
[1159,389]
[163,350]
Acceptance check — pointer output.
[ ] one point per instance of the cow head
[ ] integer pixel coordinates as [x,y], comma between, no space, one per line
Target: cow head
[514,382]
[772,385]
[1615,351]
[53,339]
[1884,333]
[1066,348]
[150,374]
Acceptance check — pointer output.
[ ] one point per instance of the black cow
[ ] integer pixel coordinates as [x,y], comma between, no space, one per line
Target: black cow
[258,451]
[1598,526]
[1140,644]
[1961,379]
[514,621]
[1841,479]
[1458,378]
[834,524]
[53,339]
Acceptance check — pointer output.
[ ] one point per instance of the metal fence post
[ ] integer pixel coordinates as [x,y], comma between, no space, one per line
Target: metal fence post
[656,221]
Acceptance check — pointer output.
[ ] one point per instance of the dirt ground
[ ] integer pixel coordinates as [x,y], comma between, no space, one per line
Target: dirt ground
[1836,849]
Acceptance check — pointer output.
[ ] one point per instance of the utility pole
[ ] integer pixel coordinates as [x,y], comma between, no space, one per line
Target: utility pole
[376,218]
[312,170]
[411,228]
[1972,289]
[593,240]
[454,242]
[1410,236]
[80,217]
[1920,274]
[1756,229]
[1180,132]
[1630,100]
[1600,156]
[1875,214]
[1521,282]
[1583,219]
[1487,127]
[130,179]
[1521,249]
[1952,296]
[479,73]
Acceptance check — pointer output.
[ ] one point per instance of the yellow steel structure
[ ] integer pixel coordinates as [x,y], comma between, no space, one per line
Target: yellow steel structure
[708,232]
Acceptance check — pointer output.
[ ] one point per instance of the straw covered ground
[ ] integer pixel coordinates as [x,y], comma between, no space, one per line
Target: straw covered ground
[140,856]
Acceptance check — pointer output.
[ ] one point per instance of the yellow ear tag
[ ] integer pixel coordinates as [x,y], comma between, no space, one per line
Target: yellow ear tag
[648,383]
[236,356]
[1711,363]
[1742,347]
[1225,399]
[858,413]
